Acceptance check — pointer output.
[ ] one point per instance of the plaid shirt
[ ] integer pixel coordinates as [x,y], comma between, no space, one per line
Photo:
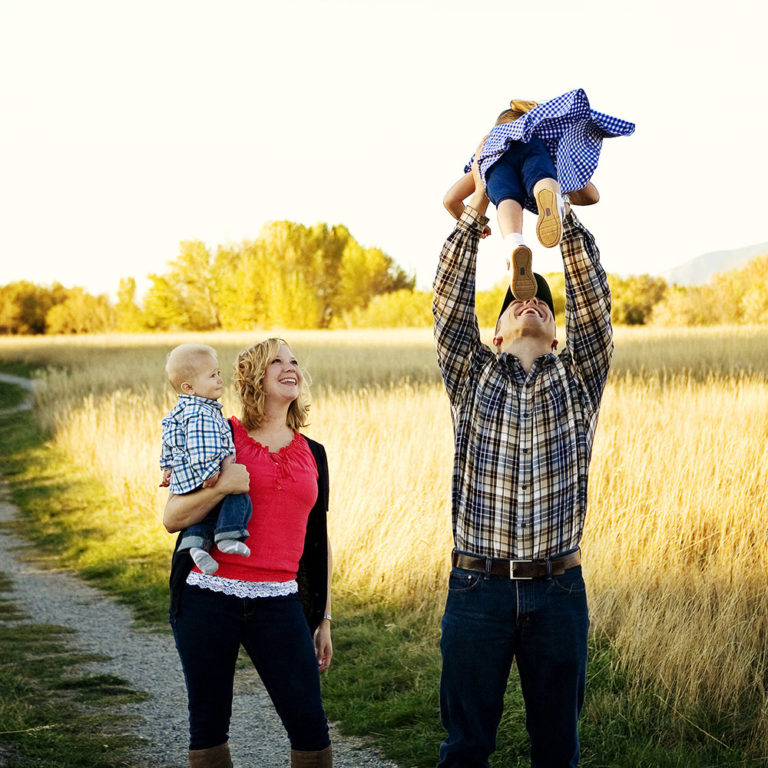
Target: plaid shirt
[572,132]
[522,441]
[196,439]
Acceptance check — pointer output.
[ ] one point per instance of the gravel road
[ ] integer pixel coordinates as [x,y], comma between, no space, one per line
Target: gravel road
[148,660]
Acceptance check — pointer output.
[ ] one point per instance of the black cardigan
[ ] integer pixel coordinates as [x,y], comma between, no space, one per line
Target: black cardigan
[312,576]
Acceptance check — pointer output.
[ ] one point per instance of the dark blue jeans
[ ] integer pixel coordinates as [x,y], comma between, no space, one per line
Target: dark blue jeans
[227,521]
[488,622]
[515,173]
[209,629]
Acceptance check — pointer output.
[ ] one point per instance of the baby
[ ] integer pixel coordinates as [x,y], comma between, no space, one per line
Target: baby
[537,156]
[196,438]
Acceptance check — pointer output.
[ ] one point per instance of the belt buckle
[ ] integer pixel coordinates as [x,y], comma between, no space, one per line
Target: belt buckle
[512,575]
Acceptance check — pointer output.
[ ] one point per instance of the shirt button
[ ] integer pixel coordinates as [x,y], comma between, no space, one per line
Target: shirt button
[525,414]
[526,450]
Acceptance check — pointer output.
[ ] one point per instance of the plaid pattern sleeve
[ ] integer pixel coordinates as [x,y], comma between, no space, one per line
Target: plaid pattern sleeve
[587,308]
[457,335]
[198,438]
[572,132]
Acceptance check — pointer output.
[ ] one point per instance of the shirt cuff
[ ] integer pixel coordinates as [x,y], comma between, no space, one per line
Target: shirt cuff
[472,220]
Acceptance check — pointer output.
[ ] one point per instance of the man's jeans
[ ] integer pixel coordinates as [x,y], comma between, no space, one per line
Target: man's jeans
[209,629]
[542,624]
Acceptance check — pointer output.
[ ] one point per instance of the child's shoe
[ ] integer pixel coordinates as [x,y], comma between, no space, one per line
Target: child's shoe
[522,283]
[549,227]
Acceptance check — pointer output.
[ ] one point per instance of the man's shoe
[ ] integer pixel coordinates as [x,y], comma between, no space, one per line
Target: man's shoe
[549,227]
[522,283]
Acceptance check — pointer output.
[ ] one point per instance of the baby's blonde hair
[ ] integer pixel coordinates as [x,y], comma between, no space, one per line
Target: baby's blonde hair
[517,108]
[250,367]
[183,363]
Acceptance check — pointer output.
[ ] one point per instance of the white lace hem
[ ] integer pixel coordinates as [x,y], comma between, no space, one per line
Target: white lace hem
[238,588]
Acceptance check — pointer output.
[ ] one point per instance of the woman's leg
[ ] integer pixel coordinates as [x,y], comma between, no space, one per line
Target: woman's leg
[207,634]
[278,640]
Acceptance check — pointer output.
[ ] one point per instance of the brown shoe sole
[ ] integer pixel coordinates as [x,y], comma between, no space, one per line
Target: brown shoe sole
[522,282]
[549,228]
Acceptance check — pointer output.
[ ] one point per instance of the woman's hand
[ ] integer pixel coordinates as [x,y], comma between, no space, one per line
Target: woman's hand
[323,645]
[181,511]
[234,477]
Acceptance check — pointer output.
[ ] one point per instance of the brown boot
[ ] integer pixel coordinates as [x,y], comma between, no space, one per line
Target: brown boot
[213,757]
[321,759]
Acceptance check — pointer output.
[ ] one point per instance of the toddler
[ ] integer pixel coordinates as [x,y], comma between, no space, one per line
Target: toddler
[533,156]
[196,438]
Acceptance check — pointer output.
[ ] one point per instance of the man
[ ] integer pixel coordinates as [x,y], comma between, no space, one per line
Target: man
[524,420]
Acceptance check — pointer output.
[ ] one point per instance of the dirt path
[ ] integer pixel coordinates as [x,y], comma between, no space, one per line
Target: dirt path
[148,660]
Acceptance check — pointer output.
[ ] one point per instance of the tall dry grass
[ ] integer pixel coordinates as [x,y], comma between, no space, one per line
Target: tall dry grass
[676,542]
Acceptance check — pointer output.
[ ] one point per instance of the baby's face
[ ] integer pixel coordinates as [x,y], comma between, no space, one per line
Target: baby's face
[207,381]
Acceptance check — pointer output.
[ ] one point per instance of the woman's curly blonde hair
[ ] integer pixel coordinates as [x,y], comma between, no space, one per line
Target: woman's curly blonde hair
[250,367]
[517,108]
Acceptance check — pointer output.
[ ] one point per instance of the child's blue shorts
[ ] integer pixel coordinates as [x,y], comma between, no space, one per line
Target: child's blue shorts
[514,174]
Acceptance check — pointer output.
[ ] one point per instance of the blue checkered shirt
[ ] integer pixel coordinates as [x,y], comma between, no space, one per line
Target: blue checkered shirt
[522,440]
[196,438]
[572,132]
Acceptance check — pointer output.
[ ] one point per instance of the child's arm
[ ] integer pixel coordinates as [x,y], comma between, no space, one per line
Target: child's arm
[457,194]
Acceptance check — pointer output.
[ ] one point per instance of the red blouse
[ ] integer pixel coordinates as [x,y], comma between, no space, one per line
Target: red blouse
[283,491]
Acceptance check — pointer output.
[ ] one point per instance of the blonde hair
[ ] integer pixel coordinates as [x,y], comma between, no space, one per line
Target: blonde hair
[250,367]
[517,108]
[183,363]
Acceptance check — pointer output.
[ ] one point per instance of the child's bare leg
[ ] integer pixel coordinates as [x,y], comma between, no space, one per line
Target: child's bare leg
[522,283]
[549,227]
[510,216]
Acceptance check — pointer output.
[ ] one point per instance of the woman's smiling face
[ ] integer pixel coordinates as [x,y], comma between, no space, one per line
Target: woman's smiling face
[283,377]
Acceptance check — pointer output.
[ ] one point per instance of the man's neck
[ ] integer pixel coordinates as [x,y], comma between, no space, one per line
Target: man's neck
[526,349]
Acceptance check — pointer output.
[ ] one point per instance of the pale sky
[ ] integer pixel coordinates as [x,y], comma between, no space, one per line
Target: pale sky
[128,127]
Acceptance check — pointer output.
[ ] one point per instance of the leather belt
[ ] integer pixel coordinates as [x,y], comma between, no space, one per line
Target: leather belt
[517,569]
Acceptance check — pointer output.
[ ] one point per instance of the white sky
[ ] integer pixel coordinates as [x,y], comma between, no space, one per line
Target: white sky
[127,127]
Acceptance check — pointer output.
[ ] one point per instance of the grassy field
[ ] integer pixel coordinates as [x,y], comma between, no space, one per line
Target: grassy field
[675,547]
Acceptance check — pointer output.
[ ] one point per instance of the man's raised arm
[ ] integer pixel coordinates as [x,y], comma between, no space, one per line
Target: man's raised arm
[587,307]
[457,335]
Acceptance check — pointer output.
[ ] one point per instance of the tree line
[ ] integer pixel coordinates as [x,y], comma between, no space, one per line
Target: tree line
[295,276]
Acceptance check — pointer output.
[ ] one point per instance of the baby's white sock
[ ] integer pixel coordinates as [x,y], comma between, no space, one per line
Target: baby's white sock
[233,547]
[203,560]
[514,239]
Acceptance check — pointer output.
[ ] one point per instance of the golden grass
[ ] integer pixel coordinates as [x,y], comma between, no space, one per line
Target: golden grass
[676,543]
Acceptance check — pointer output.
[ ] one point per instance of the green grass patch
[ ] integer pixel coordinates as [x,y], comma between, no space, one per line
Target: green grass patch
[384,682]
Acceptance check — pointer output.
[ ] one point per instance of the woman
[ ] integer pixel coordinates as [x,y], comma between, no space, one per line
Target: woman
[276,602]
